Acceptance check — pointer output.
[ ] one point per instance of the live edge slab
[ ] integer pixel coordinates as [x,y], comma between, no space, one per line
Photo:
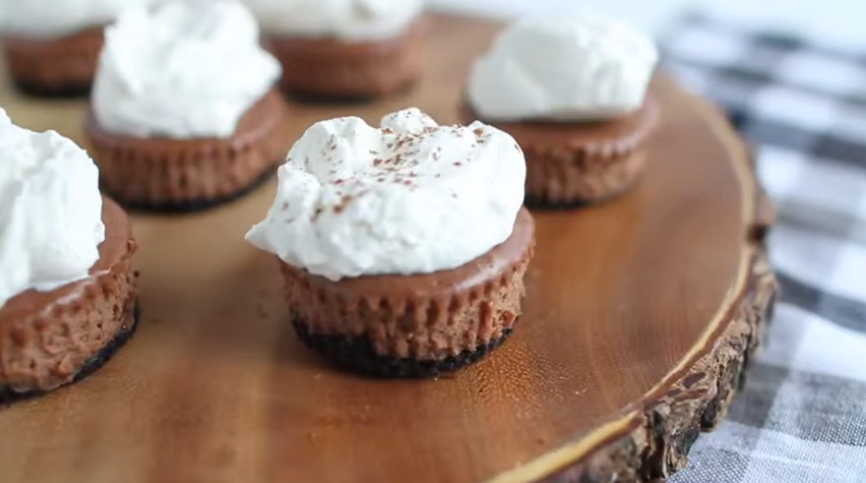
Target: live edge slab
[641,318]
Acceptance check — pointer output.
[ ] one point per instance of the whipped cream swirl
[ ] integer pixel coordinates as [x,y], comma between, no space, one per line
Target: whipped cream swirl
[58,18]
[352,20]
[183,69]
[409,197]
[563,69]
[50,211]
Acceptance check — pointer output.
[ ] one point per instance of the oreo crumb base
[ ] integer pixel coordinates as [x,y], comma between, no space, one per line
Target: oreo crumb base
[65,92]
[190,206]
[534,203]
[8,396]
[356,354]
[537,203]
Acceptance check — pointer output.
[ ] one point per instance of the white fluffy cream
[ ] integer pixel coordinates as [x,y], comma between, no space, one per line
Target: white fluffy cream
[563,68]
[183,69]
[58,18]
[50,211]
[409,197]
[353,20]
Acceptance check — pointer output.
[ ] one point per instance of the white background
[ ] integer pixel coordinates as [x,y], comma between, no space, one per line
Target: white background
[840,22]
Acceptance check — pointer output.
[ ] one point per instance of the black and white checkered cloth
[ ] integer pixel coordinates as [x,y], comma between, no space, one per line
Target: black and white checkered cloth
[802,415]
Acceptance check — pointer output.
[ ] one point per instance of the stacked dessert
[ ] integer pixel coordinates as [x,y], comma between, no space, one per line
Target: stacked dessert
[573,92]
[402,247]
[52,46]
[67,295]
[184,114]
[344,49]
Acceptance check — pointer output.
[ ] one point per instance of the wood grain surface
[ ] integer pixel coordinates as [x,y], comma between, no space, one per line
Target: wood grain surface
[640,316]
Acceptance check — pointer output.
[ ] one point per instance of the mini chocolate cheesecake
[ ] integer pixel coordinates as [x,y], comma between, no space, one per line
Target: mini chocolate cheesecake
[324,69]
[402,247]
[179,175]
[58,67]
[574,91]
[570,164]
[414,325]
[49,339]
[198,121]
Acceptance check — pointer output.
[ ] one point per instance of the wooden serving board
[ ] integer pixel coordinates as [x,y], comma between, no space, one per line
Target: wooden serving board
[640,318]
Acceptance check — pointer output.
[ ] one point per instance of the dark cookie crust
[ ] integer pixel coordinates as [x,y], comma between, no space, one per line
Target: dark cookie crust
[65,92]
[356,354]
[537,203]
[8,396]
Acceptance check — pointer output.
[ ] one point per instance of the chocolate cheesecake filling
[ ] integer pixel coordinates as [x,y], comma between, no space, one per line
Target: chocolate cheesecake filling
[332,69]
[414,325]
[617,135]
[178,175]
[47,338]
[62,67]
[572,163]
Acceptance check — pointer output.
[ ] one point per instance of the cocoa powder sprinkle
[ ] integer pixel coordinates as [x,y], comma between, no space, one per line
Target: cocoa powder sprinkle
[344,202]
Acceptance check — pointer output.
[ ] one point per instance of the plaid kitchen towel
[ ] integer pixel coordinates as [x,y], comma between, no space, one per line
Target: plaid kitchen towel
[802,415]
